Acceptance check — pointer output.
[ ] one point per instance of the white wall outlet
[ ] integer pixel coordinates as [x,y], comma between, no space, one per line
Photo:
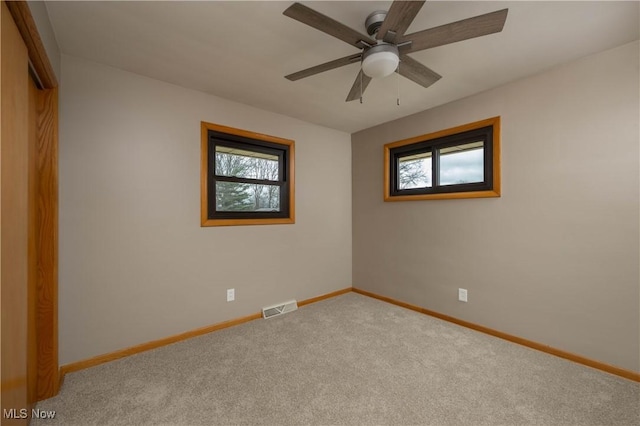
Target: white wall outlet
[231,294]
[462,294]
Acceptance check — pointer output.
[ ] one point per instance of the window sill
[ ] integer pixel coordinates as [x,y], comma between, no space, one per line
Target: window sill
[443,196]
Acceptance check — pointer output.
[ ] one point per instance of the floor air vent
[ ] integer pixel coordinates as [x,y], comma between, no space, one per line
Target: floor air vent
[282,308]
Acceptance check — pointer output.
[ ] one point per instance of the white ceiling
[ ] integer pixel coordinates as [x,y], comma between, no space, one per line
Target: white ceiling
[241,50]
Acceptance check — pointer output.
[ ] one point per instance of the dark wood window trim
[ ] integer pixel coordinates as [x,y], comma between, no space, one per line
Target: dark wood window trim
[487,130]
[214,134]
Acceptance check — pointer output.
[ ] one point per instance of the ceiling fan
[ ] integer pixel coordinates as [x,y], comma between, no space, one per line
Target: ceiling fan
[388,45]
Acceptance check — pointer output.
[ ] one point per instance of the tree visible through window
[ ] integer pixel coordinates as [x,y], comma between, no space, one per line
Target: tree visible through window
[233,196]
[414,171]
[248,177]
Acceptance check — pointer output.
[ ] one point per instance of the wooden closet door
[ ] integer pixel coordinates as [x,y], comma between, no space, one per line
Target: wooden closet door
[28,217]
[14,219]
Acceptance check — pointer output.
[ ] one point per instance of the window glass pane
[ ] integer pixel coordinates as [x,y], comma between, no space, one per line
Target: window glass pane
[462,164]
[414,171]
[247,197]
[246,164]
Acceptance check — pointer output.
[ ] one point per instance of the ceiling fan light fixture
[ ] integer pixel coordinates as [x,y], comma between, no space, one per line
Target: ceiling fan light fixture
[380,60]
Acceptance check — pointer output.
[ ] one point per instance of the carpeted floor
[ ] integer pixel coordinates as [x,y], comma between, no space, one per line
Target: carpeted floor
[346,360]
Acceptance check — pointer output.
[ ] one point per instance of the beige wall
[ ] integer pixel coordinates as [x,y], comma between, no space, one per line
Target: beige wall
[555,259]
[135,265]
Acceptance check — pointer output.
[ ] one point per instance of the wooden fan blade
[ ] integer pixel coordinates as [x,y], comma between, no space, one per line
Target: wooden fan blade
[356,92]
[400,15]
[416,72]
[324,67]
[327,25]
[456,31]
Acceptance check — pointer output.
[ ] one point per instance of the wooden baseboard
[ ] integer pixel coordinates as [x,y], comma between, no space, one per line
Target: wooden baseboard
[324,296]
[101,359]
[627,374]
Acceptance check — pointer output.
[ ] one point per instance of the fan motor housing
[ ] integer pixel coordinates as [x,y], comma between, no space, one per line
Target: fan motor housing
[374,21]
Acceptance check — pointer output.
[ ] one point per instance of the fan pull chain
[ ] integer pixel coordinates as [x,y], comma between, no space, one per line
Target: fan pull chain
[398,84]
[361,85]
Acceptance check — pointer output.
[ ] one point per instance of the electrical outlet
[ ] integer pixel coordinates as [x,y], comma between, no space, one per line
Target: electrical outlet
[231,294]
[462,294]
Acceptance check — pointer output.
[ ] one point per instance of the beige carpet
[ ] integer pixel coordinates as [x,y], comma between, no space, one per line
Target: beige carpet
[347,360]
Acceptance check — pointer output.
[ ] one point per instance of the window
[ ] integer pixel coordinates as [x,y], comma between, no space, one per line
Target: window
[461,162]
[247,178]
